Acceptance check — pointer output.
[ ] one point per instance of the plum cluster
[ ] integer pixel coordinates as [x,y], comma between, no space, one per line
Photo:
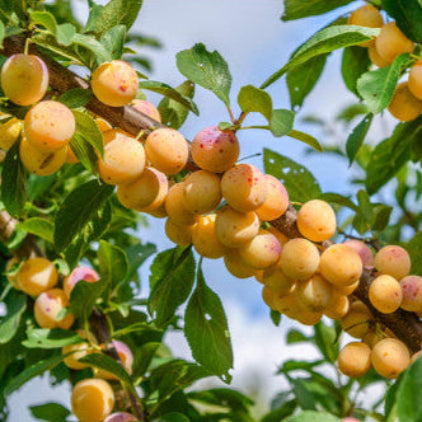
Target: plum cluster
[406,104]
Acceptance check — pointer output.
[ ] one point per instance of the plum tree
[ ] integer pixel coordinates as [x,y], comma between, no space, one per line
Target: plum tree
[244,187]
[36,275]
[215,150]
[167,150]
[393,260]
[391,42]
[390,357]
[49,126]
[92,400]
[316,220]
[24,79]
[115,83]
[354,359]
[385,294]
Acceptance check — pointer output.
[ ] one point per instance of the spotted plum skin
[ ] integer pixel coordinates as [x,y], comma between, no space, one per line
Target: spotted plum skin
[146,108]
[411,287]
[24,79]
[121,417]
[78,274]
[215,150]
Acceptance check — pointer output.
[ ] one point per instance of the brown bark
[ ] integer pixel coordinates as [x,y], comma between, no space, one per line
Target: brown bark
[405,325]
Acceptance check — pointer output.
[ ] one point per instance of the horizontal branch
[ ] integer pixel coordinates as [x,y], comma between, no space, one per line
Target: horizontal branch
[405,325]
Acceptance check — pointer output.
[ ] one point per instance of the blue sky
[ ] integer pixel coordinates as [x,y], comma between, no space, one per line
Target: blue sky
[255,42]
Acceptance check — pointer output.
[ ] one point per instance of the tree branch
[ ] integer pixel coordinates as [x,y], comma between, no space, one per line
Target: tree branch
[405,325]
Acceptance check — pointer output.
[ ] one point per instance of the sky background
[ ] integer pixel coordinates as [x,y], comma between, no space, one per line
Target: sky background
[255,42]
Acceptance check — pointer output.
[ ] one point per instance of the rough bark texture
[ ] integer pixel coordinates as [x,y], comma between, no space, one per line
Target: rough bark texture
[405,325]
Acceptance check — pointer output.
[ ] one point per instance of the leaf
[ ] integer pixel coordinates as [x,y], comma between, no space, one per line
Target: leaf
[40,227]
[282,122]
[75,98]
[306,139]
[168,91]
[87,127]
[137,255]
[13,188]
[409,405]
[32,371]
[326,340]
[171,281]
[174,114]
[45,19]
[173,417]
[325,41]
[107,363]
[296,336]
[414,247]
[2,33]
[117,12]
[377,86]
[279,414]
[39,338]
[114,41]
[65,33]
[408,15]
[113,263]
[302,79]
[338,199]
[299,182]
[50,412]
[95,47]
[206,69]
[207,332]
[297,9]
[275,317]
[382,217]
[311,416]
[84,152]
[77,210]
[389,156]
[252,99]
[357,137]
[84,297]
[9,324]
[354,64]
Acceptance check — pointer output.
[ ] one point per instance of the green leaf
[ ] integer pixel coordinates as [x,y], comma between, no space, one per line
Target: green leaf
[298,9]
[302,79]
[40,227]
[414,247]
[282,122]
[2,33]
[354,64]
[306,139]
[327,342]
[325,41]
[77,210]
[84,297]
[279,414]
[45,19]
[299,182]
[13,188]
[207,332]
[32,371]
[137,255]
[50,412]
[173,417]
[377,86]
[338,199]
[252,99]
[107,363]
[98,51]
[382,217]
[311,416]
[296,336]
[39,338]
[409,405]
[171,281]
[75,98]
[169,92]
[113,263]
[65,33]
[84,152]
[114,41]
[117,12]
[174,114]
[15,304]
[275,317]
[206,69]
[408,16]
[357,137]
[390,155]
[86,126]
